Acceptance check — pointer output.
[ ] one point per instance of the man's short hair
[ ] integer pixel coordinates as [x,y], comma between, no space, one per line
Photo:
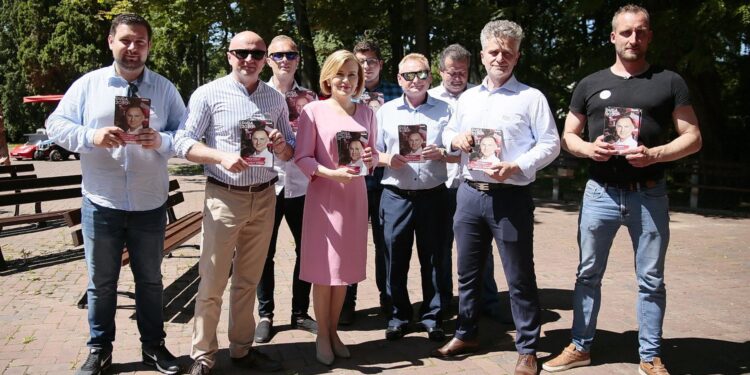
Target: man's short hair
[502,29]
[455,52]
[284,38]
[331,67]
[129,19]
[368,45]
[630,8]
[414,56]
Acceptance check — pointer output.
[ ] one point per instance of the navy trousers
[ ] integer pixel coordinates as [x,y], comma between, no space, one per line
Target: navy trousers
[507,215]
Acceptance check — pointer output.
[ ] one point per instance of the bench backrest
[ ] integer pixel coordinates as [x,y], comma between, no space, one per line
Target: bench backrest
[15,191]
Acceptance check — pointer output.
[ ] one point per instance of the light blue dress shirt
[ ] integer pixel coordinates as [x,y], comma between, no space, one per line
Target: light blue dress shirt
[530,136]
[215,111]
[435,114]
[439,92]
[130,177]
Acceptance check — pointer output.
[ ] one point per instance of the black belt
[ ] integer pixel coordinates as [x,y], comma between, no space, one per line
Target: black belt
[414,193]
[250,188]
[629,186]
[488,186]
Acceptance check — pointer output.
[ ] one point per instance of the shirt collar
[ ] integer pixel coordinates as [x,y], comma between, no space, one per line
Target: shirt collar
[296,85]
[114,79]
[429,102]
[511,85]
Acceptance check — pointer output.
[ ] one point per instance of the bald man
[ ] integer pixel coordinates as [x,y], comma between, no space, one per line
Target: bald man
[239,204]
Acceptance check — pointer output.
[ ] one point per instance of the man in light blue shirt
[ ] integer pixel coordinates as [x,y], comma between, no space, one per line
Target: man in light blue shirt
[125,188]
[413,195]
[495,202]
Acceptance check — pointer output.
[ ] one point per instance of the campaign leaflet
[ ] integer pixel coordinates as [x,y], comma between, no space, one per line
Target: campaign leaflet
[131,115]
[255,143]
[296,99]
[621,127]
[373,99]
[351,145]
[411,141]
[486,149]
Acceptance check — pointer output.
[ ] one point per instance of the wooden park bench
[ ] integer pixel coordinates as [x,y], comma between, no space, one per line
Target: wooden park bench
[178,230]
[722,177]
[18,171]
[18,191]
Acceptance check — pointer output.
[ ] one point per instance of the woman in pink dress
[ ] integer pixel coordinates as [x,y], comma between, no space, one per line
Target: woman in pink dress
[334,225]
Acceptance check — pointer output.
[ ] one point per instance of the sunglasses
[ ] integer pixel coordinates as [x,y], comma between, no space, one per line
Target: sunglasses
[409,76]
[242,54]
[279,56]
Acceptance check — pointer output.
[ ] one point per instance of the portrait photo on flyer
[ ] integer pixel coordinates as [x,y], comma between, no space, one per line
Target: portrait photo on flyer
[621,127]
[296,100]
[131,115]
[487,147]
[412,139]
[255,144]
[351,146]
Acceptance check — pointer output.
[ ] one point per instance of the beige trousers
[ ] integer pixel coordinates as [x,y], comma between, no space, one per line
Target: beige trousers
[236,232]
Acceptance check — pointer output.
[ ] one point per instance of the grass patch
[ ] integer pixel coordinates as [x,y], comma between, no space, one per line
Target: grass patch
[185,169]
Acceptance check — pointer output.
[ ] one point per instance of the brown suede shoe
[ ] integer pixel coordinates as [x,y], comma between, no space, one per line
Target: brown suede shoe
[526,364]
[655,367]
[455,347]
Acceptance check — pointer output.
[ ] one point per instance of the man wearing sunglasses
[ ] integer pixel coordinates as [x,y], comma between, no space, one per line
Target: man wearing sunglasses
[124,189]
[531,142]
[454,71]
[283,58]
[368,54]
[239,203]
[412,203]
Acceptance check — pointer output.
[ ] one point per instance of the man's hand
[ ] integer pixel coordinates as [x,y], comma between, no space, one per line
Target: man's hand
[233,163]
[640,156]
[367,157]
[463,141]
[397,161]
[149,138]
[108,137]
[431,152]
[600,150]
[279,143]
[502,170]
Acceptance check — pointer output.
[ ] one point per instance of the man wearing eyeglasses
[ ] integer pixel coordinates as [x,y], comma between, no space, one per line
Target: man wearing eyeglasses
[283,58]
[454,71]
[239,205]
[125,187]
[368,54]
[495,203]
[412,203]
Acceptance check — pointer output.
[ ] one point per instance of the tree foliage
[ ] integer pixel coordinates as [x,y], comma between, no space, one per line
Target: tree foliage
[45,45]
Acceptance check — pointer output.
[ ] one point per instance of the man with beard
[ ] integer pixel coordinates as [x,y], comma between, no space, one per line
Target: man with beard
[626,187]
[124,189]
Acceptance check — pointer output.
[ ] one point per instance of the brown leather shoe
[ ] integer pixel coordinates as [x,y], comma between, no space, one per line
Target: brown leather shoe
[455,347]
[526,364]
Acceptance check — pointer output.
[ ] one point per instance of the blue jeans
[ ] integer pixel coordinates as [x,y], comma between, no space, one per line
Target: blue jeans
[646,215]
[106,232]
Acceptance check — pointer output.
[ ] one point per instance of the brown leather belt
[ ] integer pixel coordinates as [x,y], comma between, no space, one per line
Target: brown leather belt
[414,193]
[250,188]
[629,186]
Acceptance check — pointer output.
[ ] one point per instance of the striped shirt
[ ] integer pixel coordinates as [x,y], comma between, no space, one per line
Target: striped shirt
[215,111]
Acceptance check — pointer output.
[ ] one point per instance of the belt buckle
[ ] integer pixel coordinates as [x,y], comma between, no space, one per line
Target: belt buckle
[482,186]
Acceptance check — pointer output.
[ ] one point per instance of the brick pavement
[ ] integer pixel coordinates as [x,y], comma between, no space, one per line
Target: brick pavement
[707,330]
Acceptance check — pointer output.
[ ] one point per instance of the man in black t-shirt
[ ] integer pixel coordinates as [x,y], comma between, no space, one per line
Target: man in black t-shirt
[626,184]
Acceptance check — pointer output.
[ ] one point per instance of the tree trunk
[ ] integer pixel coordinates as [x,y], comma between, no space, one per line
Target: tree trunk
[310,69]
[4,157]
[421,28]
[394,39]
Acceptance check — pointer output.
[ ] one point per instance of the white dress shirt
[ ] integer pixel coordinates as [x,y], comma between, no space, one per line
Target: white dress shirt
[453,169]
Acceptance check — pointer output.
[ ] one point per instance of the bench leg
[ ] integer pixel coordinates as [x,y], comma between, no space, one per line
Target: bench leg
[2,261]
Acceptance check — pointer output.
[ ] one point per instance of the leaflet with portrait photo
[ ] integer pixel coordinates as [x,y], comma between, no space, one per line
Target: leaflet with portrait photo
[295,100]
[255,144]
[373,99]
[131,115]
[351,146]
[412,139]
[622,126]
[487,147]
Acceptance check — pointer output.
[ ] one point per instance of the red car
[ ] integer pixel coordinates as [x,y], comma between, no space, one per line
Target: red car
[28,149]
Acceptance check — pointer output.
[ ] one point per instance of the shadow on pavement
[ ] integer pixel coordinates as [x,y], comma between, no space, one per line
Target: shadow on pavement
[683,355]
[41,261]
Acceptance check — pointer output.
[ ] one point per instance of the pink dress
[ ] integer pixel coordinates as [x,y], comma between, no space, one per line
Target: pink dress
[334,224]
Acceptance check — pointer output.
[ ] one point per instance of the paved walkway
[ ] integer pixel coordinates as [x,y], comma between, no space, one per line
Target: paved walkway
[707,327]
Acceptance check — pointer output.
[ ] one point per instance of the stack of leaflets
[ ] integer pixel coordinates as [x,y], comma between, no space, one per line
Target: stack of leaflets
[131,115]
[255,142]
[411,141]
[351,145]
[486,149]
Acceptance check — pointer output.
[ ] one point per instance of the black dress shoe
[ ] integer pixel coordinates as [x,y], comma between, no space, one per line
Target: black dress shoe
[455,347]
[435,334]
[395,332]
[255,359]
[305,323]
[263,331]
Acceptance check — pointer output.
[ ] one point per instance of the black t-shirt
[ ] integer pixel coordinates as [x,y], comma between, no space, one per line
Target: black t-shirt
[656,92]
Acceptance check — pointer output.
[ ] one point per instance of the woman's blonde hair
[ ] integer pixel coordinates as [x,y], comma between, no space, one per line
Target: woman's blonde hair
[331,67]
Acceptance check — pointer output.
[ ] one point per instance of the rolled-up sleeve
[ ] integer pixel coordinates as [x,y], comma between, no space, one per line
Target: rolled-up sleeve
[194,123]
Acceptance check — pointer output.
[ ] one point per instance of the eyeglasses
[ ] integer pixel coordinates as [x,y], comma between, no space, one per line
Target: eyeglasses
[370,61]
[242,54]
[409,76]
[279,56]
